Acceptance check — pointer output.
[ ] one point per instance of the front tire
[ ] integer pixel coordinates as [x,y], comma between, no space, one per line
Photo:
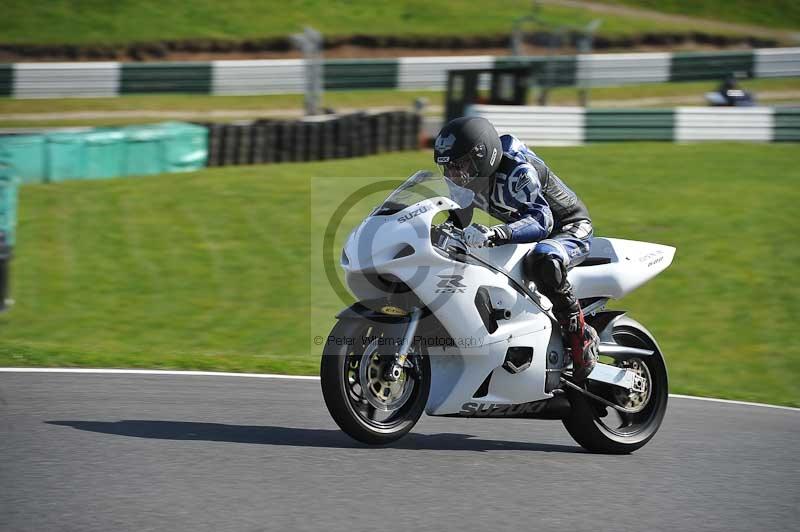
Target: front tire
[601,429]
[366,406]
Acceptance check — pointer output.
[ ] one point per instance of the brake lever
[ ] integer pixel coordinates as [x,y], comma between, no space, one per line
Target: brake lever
[455,234]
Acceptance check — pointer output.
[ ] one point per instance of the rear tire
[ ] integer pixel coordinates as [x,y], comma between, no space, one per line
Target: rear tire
[588,420]
[348,401]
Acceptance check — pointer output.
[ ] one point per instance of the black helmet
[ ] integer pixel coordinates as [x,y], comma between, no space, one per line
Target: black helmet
[468,148]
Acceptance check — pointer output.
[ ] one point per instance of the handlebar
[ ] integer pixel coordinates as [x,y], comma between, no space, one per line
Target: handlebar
[458,234]
[452,231]
[453,235]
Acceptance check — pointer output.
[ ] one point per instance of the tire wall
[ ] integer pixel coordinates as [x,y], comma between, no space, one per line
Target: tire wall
[313,139]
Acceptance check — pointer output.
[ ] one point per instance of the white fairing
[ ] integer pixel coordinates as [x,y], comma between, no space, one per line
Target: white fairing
[632,264]
[457,372]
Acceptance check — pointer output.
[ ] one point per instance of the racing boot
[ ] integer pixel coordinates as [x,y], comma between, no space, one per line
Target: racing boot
[583,344]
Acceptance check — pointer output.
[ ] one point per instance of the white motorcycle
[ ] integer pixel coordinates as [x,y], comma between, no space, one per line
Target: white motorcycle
[454,331]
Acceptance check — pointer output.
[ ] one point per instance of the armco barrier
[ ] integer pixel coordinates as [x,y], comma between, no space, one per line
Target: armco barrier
[52,80]
[7,80]
[625,124]
[575,125]
[787,125]
[562,126]
[39,80]
[550,72]
[776,63]
[709,123]
[619,69]
[165,77]
[717,65]
[360,74]
[416,73]
[262,76]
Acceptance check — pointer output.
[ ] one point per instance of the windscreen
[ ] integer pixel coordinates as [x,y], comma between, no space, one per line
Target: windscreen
[422,186]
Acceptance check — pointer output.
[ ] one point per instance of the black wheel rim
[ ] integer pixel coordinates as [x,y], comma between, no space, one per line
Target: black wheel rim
[361,396]
[630,425]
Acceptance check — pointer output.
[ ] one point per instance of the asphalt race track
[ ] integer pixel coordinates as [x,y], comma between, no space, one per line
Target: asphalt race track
[92,452]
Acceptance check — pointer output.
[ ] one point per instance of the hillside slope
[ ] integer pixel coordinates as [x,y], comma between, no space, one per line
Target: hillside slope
[126,21]
[783,14]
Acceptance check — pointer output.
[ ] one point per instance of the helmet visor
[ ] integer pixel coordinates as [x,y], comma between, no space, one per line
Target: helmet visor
[461,171]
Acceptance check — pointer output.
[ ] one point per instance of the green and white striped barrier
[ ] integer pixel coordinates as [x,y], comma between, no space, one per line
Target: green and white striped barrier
[268,76]
[576,125]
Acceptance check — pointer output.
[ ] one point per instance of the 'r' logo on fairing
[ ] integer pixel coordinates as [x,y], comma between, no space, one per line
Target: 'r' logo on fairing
[450,284]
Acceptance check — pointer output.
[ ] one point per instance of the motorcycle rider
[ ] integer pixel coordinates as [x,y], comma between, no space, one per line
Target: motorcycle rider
[514,185]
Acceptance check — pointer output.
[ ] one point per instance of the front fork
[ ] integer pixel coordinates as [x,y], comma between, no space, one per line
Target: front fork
[395,369]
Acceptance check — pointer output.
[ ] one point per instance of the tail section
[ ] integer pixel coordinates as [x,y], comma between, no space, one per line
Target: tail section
[617,267]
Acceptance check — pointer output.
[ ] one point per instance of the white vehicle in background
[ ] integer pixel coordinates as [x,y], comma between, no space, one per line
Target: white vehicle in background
[454,331]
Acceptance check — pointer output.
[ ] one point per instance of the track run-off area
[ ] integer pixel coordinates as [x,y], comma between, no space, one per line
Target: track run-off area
[98,450]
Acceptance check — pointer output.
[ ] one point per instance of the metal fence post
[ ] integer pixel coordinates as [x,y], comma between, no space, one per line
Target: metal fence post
[310,42]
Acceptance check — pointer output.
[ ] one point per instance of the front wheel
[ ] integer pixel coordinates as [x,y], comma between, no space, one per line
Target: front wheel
[365,404]
[599,428]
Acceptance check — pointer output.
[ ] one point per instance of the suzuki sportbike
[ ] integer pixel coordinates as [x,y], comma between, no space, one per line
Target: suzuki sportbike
[448,330]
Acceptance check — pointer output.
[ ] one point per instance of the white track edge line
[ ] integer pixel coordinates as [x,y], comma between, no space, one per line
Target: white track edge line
[730,401]
[159,372]
[304,378]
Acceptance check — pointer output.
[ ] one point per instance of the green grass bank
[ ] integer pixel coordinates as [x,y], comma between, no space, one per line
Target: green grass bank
[212,270]
[126,21]
[775,13]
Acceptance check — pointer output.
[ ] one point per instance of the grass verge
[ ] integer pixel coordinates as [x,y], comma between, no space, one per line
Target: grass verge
[775,13]
[126,21]
[211,270]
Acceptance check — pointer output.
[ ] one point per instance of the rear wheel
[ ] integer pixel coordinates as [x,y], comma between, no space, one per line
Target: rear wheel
[600,428]
[361,399]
